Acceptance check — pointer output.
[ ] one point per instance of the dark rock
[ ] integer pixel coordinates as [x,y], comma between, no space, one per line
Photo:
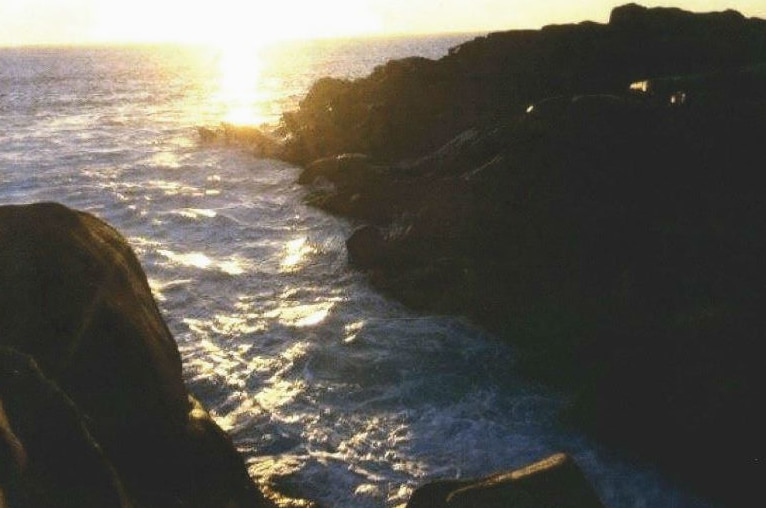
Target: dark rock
[735,85]
[366,247]
[341,170]
[47,456]
[76,301]
[348,184]
[670,19]
[395,111]
[554,481]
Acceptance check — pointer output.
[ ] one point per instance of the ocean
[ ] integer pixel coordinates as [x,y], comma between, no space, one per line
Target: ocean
[330,390]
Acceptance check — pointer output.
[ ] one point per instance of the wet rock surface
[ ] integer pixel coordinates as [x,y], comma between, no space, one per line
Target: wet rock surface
[553,481]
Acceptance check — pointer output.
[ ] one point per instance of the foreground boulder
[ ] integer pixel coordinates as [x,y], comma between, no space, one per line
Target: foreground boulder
[48,458]
[554,481]
[89,367]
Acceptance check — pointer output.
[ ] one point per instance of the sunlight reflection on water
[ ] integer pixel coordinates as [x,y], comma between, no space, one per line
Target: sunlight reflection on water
[296,252]
[301,316]
[240,89]
[231,266]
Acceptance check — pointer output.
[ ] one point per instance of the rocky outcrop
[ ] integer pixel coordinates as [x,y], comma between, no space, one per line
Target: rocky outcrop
[611,234]
[410,107]
[93,409]
[554,481]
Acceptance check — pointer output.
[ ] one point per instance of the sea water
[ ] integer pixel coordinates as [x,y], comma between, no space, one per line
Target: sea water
[330,390]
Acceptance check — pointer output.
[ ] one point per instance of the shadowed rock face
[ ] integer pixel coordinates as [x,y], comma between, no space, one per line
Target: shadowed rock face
[47,456]
[614,237]
[76,304]
[81,306]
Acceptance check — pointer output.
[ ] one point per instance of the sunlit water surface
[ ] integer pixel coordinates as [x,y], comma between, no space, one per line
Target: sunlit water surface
[330,390]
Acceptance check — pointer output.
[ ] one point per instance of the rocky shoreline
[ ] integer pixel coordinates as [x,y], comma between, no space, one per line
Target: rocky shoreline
[93,409]
[590,193]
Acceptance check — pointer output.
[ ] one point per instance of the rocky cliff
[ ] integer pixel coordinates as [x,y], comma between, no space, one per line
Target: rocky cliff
[588,191]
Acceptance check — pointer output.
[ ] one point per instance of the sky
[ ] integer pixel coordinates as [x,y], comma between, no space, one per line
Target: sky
[227,22]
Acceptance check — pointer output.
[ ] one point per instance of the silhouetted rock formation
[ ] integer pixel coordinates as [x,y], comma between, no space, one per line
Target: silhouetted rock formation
[409,107]
[93,410]
[554,481]
[612,232]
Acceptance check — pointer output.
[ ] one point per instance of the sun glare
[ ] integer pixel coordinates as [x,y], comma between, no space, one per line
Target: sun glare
[238,89]
[231,23]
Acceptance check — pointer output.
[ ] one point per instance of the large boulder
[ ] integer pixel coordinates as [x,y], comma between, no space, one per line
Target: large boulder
[76,302]
[366,247]
[48,458]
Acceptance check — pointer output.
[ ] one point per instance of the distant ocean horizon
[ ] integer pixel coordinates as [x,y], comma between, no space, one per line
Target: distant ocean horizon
[329,389]
[437,37]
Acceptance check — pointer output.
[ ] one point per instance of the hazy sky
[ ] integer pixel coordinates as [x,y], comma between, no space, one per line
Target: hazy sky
[239,21]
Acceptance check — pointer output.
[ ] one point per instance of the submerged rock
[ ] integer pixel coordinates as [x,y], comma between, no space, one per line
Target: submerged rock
[260,142]
[366,247]
[554,481]
[90,368]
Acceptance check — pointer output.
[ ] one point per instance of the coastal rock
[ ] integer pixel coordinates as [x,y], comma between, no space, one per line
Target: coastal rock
[77,302]
[553,481]
[397,111]
[47,456]
[669,19]
[366,247]
[347,184]
[338,169]
[610,232]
